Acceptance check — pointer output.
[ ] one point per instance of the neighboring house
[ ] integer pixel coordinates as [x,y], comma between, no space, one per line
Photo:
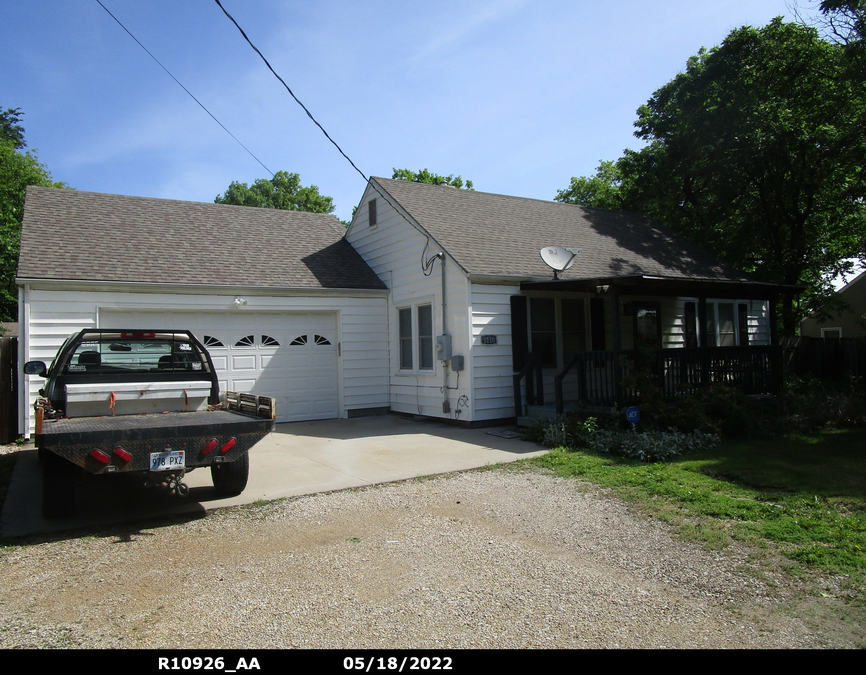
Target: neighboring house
[497,300]
[846,323]
[338,323]
[284,304]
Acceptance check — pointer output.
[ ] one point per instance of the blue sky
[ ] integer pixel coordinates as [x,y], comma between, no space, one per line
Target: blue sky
[517,96]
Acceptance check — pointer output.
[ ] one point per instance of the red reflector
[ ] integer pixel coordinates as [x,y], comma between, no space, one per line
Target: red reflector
[122,454]
[100,456]
[137,335]
[229,445]
[210,446]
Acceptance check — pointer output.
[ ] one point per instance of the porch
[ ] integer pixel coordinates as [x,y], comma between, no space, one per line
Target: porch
[595,378]
[580,342]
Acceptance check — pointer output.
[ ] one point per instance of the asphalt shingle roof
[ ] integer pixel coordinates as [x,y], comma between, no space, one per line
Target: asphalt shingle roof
[493,234]
[69,234]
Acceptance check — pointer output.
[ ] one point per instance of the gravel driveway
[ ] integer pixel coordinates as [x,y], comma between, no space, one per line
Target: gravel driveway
[483,559]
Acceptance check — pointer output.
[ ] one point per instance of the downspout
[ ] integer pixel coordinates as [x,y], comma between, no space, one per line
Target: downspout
[446,405]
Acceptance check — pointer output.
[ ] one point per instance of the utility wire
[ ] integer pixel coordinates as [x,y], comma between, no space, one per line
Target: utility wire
[185,89]
[231,18]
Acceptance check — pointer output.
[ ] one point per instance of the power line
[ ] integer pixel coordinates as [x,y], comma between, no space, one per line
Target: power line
[184,88]
[231,18]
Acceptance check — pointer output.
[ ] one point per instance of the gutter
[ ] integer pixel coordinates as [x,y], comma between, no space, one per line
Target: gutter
[196,289]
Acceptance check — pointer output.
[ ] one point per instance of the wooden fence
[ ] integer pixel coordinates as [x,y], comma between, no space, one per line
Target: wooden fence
[826,358]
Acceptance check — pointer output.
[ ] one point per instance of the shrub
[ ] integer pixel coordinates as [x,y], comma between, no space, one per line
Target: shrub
[810,403]
[578,431]
[653,446]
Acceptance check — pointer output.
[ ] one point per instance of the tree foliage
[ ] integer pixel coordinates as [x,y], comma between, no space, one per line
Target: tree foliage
[283,191]
[844,20]
[425,176]
[757,152]
[10,127]
[17,171]
[601,191]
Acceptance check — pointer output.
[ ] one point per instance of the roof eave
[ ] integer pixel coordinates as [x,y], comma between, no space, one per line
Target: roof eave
[676,286]
[194,289]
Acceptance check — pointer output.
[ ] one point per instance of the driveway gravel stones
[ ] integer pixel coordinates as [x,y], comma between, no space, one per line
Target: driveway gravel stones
[483,559]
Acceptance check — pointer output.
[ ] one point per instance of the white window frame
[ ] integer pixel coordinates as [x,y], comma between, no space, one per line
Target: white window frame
[417,344]
[829,329]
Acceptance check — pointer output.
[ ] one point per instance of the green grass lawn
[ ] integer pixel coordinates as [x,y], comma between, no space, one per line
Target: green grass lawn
[801,496]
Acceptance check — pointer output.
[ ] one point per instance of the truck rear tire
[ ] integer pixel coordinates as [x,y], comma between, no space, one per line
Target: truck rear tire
[58,487]
[230,479]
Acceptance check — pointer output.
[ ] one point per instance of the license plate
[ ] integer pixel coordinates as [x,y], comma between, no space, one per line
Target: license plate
[167,461]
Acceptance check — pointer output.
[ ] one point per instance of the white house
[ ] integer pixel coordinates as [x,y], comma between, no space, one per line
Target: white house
[428,304]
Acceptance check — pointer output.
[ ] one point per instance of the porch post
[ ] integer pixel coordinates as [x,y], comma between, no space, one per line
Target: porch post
[704,340]
[702,321]
[617,347]
[774,336]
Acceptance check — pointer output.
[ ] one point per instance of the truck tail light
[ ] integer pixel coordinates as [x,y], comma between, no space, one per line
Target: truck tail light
[122,454]
[210,446]
[100,456]
[228,445]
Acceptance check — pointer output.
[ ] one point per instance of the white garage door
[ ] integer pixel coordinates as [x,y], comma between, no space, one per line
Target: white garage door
[292,357]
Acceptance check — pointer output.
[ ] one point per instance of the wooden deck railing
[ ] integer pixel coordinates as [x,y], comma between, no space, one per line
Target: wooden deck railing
[599,375]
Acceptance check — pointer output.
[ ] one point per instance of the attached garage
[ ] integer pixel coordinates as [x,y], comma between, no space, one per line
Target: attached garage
[284,304]
[290,356]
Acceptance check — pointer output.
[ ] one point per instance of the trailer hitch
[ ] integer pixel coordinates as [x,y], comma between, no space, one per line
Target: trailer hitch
[171,482]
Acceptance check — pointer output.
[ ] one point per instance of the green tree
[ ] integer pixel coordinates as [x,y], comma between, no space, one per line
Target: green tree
[757,151]
[283,191]
[424,176]
[604,190]
[10,127]
[17,171]
[844,20]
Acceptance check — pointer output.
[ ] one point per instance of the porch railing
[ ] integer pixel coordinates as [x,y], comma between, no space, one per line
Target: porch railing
[532,367]
[599,375]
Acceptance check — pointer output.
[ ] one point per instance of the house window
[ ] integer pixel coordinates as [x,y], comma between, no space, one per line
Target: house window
[425,337]
[727,324]
[542,319]
[415,328]
[690,325]
[558,329]
[647,324]
[371,213]
[573,328]
[831,333]
[405,320]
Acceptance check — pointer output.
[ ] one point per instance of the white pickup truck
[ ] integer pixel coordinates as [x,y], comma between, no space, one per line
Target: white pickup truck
[145,403]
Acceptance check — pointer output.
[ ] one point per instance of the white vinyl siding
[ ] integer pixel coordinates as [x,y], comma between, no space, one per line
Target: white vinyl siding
[49,315]
[492,381]
[393,249]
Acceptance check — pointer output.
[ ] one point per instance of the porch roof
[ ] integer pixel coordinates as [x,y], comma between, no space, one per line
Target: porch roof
[640,284]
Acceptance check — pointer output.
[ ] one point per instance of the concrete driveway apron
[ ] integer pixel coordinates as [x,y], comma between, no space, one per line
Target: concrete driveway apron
[298,458]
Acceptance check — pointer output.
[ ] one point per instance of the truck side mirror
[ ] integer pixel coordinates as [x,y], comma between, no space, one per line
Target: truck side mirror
[35,368]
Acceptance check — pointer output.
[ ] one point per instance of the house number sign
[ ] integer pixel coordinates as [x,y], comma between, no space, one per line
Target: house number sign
[488,339]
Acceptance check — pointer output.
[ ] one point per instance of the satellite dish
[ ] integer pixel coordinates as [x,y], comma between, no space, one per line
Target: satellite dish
[558,258]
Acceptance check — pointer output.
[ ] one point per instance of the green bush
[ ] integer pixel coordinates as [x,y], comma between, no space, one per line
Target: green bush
[653,446]
[809,403]
[580,431]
